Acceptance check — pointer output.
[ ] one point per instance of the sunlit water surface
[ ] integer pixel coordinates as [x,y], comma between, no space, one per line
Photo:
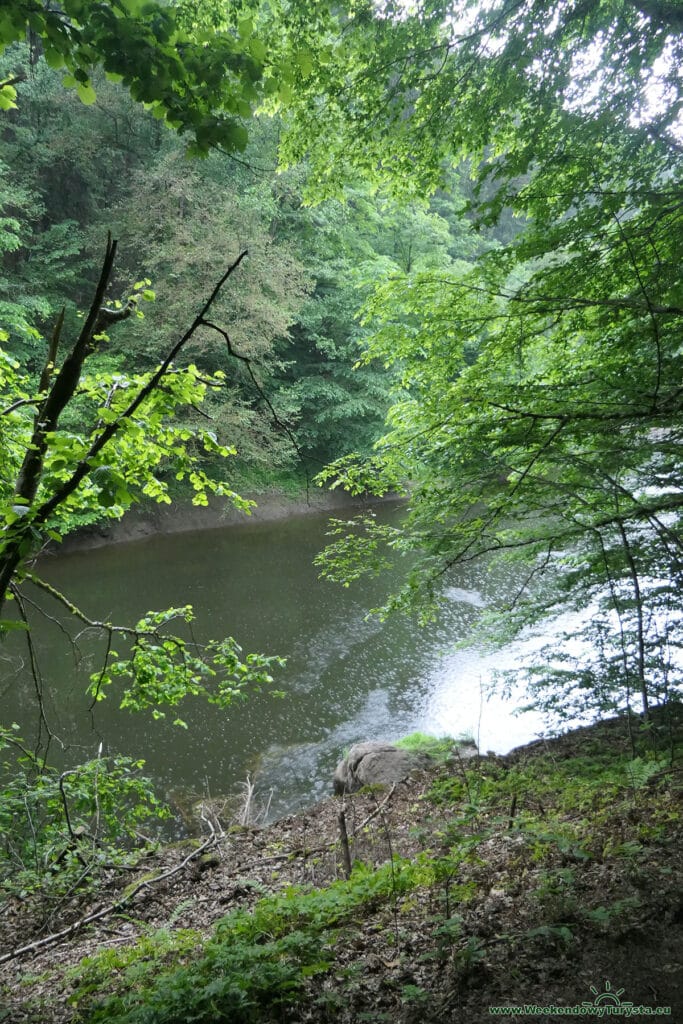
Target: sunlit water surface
[347,678]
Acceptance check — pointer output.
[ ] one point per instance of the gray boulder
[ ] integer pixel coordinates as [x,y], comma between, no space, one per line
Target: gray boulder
[375,763]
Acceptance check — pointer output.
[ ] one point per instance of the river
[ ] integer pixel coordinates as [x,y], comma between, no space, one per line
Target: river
[347,677]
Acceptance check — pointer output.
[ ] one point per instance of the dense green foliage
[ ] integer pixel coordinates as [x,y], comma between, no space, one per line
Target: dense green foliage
[255,962]
[62,830]
[523,85]
[179,223]
[200,71]
[104,406]
[499,189]
[540,415]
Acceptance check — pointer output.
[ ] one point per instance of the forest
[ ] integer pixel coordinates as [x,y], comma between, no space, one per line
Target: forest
[423,249]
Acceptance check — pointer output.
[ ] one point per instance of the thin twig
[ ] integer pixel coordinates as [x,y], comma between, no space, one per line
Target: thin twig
[65,802]
[112,908]
[264,398]
[377,809]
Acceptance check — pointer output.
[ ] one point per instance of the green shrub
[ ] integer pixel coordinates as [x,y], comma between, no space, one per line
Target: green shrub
[437,747]
[59,830]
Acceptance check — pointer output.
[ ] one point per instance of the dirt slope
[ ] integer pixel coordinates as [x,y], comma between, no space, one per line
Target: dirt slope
[564,888]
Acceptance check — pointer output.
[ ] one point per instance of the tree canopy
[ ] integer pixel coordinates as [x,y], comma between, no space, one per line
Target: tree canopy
[540,405]
[153,50]
[498,185]
[536,408]
[408,90]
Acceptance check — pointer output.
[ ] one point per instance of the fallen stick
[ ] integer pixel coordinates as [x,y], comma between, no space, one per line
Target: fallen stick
[303,851]
[112,908]
[377,809]
[97,915]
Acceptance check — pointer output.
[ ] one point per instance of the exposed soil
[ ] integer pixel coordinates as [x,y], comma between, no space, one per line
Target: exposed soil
[498,934]
[182,517]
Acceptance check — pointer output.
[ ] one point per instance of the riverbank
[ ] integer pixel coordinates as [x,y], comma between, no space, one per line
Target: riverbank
[183,517]
[550,876]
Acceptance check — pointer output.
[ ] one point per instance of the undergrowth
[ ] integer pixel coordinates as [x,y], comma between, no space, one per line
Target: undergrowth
[439,748]
[538,824]
[255,962]
[60,831]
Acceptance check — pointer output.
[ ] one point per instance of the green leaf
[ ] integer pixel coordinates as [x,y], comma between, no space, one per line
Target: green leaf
[53,57]
[285,93]
[245,27]
[258,49]
[13,624]
[304,60]
[236,137]
[86,93]
[8,95]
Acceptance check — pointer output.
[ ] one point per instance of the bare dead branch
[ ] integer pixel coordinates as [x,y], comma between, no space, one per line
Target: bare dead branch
[61,393]
[111,908]
[264,398]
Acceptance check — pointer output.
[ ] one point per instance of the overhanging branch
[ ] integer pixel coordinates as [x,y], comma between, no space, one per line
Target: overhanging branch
[61,392]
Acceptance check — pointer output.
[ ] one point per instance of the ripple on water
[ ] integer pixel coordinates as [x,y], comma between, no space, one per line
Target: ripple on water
[312,656]
[472,597]
[307,768]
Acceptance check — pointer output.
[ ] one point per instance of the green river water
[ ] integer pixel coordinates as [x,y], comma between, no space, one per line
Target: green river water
[347,678]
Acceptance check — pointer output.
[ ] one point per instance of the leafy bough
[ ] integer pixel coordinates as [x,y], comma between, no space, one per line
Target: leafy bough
[162,669]
[54,478]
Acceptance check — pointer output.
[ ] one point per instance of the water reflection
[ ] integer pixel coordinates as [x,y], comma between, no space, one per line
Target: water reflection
[347,678]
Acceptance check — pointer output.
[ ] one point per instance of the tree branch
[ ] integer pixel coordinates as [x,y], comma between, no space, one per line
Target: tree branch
[112,908]
[84,466]
[264,397]
[664,12]
[61,393]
